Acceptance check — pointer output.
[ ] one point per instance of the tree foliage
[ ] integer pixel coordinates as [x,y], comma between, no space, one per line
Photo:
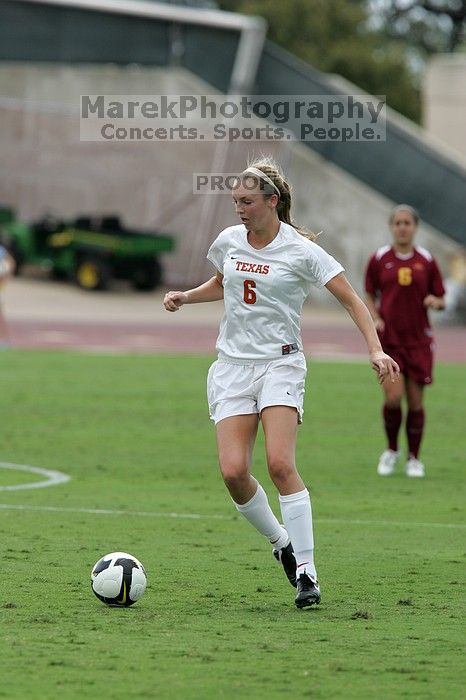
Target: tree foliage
[429,26]
[368,43]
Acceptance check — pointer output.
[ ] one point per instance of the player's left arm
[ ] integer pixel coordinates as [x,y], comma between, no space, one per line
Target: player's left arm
[433,302]
[382,363]
[436,297]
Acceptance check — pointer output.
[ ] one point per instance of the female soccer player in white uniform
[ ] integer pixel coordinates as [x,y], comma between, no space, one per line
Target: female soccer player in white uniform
[7,268]
[265,269]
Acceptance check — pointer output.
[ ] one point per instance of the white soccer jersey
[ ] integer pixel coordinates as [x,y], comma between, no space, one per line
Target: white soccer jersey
[264,291]
[4,267]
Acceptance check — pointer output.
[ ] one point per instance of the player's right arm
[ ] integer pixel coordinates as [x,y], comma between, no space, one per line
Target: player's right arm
[212,290]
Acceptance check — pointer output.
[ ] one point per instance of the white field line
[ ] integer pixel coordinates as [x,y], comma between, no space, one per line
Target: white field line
[52,478]
[198,516]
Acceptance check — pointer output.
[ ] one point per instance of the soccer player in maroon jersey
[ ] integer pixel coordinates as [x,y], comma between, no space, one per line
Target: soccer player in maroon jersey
[403,282]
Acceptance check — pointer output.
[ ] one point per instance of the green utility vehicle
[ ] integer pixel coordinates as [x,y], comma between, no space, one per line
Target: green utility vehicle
[90,250]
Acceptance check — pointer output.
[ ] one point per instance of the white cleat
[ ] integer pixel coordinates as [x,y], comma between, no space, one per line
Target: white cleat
[414,468]
[387,462]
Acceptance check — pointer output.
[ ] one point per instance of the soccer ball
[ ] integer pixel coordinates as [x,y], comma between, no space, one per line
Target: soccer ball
[118,579]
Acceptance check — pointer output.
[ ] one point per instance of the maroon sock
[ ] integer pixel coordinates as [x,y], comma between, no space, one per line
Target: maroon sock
[392,422]
[414,430]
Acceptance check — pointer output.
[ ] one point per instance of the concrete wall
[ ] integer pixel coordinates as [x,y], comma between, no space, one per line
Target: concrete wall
[44,167]
[444,101]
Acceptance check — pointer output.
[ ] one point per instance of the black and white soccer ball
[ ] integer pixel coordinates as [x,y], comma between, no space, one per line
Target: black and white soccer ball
[118,579]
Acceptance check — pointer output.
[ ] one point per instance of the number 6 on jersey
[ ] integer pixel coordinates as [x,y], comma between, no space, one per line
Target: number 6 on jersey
[249,293]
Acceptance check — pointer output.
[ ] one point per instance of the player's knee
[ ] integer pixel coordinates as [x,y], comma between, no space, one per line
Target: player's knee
[393,400]
[280,468]
[233,473]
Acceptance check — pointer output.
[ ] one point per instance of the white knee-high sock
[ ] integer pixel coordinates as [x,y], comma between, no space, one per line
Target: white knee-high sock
[259,513]
[297,518]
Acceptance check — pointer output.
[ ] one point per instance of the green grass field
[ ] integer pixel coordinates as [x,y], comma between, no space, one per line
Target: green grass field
[218,619]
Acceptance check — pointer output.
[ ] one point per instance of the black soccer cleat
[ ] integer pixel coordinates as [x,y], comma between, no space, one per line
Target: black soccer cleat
[285,555]
[308,592]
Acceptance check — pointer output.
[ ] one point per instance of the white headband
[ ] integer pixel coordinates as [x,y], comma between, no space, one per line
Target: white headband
[262,176]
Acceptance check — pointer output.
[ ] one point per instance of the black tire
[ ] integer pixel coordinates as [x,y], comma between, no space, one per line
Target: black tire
[92,273]
[17,257]
[147,275]
[58,275]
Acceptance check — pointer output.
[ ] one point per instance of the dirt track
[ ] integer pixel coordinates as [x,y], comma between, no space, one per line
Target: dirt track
[44,314]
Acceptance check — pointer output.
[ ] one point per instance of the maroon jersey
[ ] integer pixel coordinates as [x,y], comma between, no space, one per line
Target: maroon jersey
[401,283]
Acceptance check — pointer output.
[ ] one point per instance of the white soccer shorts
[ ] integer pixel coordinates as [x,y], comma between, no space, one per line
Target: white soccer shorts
[238,389]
